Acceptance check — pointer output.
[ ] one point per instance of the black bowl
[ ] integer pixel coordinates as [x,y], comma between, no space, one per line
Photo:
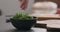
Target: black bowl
[22,24]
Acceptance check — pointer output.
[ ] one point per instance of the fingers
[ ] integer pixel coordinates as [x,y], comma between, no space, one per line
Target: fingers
[24,4]
[20,0]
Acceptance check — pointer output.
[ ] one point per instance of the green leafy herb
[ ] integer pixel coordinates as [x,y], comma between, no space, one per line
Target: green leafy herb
[22,16]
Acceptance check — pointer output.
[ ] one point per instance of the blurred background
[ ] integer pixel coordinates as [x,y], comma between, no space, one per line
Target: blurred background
[11,7]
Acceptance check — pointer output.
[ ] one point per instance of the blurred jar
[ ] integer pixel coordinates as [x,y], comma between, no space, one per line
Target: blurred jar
[44,7]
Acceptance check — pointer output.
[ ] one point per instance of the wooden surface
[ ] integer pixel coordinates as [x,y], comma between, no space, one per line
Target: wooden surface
[48,17]
[53,29]
[50,23]
[40,25]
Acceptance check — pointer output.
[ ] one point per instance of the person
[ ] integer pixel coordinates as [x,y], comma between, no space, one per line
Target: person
[23,4]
